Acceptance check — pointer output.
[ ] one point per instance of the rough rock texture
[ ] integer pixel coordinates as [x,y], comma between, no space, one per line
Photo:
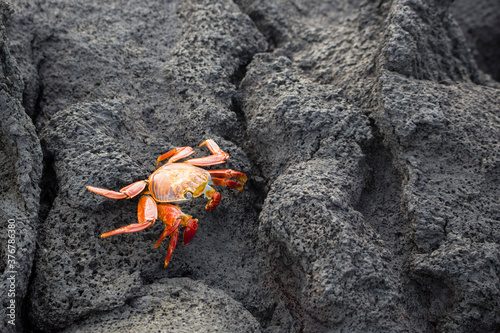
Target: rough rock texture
[368,129]
[174,305]
[21,169]
[479,21]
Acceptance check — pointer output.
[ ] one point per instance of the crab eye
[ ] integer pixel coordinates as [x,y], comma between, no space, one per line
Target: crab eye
[189,195]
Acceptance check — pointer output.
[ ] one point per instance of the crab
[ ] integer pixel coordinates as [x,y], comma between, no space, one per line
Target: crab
[174,183]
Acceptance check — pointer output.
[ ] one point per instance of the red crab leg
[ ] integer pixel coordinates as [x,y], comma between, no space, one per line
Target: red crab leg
[168,231]
[217,157]
[173,217]
[228,173]
[228,183]
[146,214]
[175,155]
[127,192]
[171,247]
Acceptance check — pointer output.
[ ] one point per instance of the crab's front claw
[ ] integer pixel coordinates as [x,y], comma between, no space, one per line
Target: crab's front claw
[239,176]
[227,182]
[228,173]
[214,201]
[190,231]
[173,231]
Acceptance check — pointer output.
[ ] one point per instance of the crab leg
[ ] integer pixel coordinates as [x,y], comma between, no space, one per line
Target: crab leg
[168,231]
[146,214]
[127,192]
[173,218]
[175,155]
[228,173]
[171,246]
[217,157]
[228,183]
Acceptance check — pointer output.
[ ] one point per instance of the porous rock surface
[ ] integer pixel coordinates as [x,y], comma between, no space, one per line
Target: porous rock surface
[369,131]
[21,170]
[174,305]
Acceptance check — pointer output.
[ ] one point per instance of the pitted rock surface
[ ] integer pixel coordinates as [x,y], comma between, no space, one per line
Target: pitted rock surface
[163,306]
[21,170]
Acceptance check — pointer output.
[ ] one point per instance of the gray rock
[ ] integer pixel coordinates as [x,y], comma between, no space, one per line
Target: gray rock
[323,249]
[82,137]
[481,32]
[444,139]
[106,136]
[174,305]
[21,169]
[445,136]
[368,130]
[407,67]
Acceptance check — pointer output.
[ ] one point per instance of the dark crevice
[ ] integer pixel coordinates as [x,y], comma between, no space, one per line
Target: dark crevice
[49,189]
[256,182]
[264,23]
[480,23]
[48,182]
[239,74]
[48,186]
[48,192]
[240,114]
[273,36]
[37,108]
[28,326]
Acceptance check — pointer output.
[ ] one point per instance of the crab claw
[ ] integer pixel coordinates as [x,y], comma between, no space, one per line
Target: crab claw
[214,201]
[228,173]
[190,231]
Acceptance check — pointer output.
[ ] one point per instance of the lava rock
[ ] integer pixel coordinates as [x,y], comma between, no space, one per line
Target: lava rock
[21,170]
[323,248]
[481,32]
[174,305]
[104,114]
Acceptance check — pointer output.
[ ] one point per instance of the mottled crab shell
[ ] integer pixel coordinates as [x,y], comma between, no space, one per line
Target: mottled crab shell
[178,182]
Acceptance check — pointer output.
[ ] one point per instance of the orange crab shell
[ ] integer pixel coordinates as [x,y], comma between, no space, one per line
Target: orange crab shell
[178,182]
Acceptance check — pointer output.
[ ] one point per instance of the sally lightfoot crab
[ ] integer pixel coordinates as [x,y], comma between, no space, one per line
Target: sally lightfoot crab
[172,184]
